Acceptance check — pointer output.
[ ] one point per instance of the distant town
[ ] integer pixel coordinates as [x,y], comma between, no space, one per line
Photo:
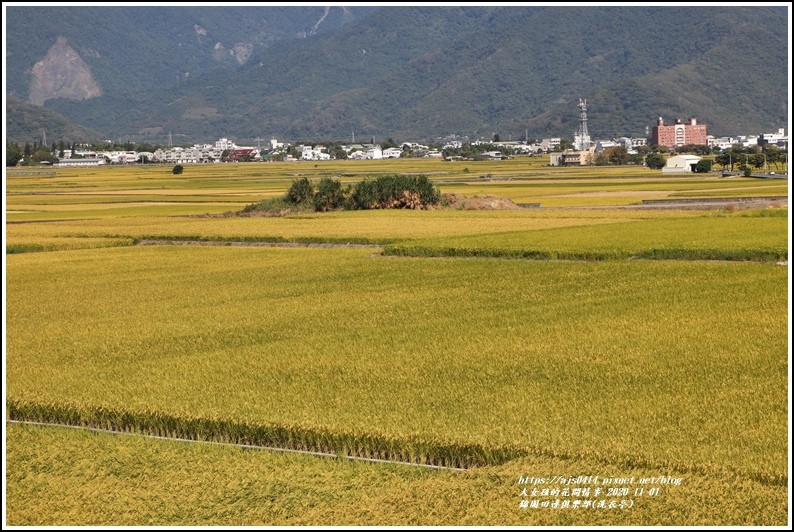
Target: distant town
[680,136]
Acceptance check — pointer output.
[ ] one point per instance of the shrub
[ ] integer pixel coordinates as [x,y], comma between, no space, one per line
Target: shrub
[301,191]
[394,192]
[329,195]
[655,161]
[703,166]
[178,169]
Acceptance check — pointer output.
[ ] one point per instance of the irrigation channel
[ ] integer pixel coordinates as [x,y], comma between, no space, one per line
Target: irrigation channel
[236,445]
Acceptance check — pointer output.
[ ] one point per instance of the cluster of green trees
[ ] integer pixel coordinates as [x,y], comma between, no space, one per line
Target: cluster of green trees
[751,157]
[617,155]
[30,154]
[333,148]
[391,191]
[655,157]
[697,149]
[469,150]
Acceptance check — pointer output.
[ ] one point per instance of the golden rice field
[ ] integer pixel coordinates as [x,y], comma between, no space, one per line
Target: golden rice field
[355,226]
[96,479]
[441,352]
[738,236]
[223,187]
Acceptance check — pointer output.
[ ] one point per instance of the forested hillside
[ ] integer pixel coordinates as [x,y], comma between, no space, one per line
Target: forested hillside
[414,72]
[26,122]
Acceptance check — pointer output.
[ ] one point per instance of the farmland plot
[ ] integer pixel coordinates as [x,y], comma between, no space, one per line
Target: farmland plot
[509,368]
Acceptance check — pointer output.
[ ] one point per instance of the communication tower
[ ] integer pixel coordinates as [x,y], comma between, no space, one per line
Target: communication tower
[581,139]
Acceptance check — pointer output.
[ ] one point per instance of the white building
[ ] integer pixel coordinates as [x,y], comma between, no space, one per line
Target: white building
[602,145]
[581,143]
[72,163]
[681,164]
[747,140]
[313,153]
[780,138]
[392,153]
[122,157]
[200,153]
[224,144]
[721,143]
[413,146]
[374,152]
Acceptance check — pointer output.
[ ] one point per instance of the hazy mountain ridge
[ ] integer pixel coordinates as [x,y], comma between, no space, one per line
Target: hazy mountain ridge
[428,71]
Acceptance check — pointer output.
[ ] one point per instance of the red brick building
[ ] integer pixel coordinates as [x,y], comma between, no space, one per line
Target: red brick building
[679,134]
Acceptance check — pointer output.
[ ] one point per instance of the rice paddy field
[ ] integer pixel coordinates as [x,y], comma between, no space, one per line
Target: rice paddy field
[584,363]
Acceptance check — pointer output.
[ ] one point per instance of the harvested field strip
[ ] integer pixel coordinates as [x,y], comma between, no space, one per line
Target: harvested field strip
[719,199]
[368,446]
[761,191]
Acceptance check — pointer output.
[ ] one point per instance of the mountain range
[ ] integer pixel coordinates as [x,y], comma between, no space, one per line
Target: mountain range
[405,72]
